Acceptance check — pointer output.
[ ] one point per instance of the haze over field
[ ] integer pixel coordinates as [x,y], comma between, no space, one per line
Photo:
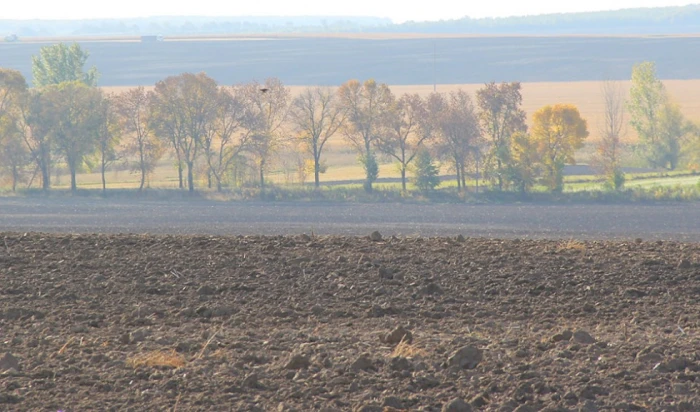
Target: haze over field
[434,10]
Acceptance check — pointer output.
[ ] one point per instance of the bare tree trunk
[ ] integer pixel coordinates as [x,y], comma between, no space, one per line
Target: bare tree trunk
[45,172]
[143,177]
[500,175]
[403,177]
[317,172]
[459,180]
[73,183]
[143,168]
[104,181]
[262,176]
[15,177]
[477,174]
[190,176]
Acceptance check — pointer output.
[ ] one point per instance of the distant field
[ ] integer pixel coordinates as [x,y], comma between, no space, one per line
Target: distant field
[395,59]
[586,95]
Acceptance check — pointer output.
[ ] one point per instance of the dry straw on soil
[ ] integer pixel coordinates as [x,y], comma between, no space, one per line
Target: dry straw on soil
[406,350]
[169,359]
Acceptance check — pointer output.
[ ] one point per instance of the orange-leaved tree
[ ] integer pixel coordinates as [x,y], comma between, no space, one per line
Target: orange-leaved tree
[558,131]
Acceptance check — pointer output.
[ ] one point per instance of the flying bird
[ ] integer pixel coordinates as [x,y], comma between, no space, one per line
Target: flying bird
[264,89]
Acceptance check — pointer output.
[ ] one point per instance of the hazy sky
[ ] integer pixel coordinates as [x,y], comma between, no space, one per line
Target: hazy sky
[398,11]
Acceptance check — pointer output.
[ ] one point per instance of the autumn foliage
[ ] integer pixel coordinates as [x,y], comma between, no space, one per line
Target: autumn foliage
[226,136]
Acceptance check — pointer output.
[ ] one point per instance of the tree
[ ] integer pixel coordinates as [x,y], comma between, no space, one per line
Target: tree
[12,86]
[364,103]
[607,159]
[501,116]
[133,115]
[402,133]
[13,154]
[558,131]
[427,175]
[525,162]
[61,63]
[35,123]
[107,136]
[674,131]
[269,108]
[227,137]
[317,116]
[647,101]
[74,122]
[455,121]
[183,108]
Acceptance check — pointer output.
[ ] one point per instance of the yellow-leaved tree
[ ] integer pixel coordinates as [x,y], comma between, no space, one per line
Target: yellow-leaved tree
[525,161]
[558,131]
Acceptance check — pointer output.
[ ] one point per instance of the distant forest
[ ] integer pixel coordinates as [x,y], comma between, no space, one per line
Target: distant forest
[661,20]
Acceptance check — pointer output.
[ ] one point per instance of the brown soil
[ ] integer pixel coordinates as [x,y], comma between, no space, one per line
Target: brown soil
[187,323]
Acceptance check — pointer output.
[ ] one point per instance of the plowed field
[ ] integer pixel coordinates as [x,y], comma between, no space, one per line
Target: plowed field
[301,323]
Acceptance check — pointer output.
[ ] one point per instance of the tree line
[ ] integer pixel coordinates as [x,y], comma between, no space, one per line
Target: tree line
[226,134]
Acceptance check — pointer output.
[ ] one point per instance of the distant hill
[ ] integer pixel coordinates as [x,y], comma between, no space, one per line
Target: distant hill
[193,25]
[660,20]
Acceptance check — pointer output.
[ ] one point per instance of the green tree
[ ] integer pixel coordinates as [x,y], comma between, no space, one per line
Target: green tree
[371,167]
[674,132]
[61,63]
[427,174]
[647,100]
[558,131]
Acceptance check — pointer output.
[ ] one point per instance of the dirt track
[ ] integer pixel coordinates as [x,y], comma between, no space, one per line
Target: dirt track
[662,221]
